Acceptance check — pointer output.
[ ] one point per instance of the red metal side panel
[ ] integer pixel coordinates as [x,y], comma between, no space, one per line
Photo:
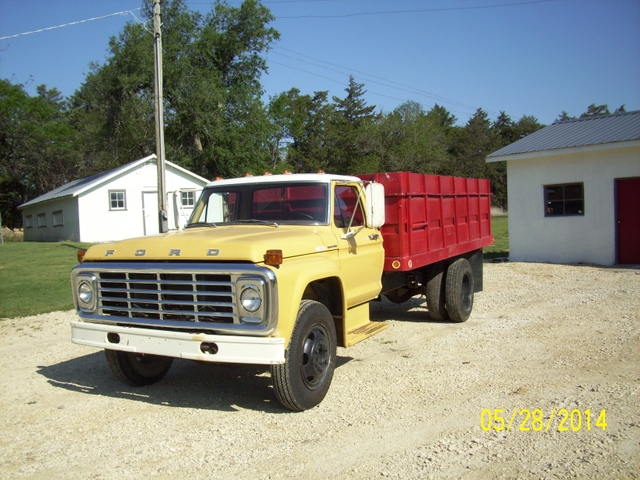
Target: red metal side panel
[430,218]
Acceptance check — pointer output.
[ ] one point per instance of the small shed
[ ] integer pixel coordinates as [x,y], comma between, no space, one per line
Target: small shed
[574,191]
[112,205]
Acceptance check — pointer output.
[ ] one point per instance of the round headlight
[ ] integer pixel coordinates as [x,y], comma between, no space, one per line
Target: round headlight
[250,298]
[85,293]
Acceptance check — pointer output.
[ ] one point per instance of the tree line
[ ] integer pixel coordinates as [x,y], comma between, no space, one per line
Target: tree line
[216,123]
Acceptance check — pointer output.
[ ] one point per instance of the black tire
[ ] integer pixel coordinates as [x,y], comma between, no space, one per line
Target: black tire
[137,369]
[459,290]
[304,379]
[435,293]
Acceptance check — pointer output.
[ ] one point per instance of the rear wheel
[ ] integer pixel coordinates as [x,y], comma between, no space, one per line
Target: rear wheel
[459,290]
[137,369]
[304,379]
[435,293]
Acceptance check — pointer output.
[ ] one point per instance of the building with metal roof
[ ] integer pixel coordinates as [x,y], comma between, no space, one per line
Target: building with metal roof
[111,205]
[582,132]
[574,191]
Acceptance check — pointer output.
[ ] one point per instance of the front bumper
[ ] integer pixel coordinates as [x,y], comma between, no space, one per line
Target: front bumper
[192,346]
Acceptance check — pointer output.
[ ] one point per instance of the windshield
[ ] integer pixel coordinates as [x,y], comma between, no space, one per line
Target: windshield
[304,203]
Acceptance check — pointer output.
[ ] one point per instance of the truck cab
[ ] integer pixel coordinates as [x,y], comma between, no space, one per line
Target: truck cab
[274,270]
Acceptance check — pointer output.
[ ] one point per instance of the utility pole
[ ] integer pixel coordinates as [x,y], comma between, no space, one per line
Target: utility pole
[157,48]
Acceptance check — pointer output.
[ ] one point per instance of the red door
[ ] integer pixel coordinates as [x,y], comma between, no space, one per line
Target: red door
[628,221]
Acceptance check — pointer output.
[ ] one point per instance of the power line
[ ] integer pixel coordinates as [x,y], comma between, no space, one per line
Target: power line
[400,86]
[394,12]
[343,84]
[126,12]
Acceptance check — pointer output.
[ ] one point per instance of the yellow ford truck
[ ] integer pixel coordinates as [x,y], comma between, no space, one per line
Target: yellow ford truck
[279,270]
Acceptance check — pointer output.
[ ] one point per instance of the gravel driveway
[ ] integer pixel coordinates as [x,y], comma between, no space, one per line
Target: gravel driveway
[552,346]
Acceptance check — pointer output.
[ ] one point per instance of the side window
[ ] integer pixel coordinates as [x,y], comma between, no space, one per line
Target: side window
[563,200]
[347,206]
[117,200]
[58,219]
[188,198]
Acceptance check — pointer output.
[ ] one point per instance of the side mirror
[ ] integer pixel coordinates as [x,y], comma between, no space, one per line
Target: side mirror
[374,209]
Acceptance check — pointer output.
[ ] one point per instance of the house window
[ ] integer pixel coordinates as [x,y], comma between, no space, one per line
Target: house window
[117,200]
[188,198]
[28,221]
[564,200]
[57,218]
[42,220]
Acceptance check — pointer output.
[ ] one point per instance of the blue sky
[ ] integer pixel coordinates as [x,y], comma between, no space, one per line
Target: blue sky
[524,57]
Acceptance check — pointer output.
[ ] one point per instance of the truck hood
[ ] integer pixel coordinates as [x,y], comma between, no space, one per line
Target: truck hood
[223,243]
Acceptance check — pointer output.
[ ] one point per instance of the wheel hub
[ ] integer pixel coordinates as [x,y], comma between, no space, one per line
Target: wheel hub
[315,357]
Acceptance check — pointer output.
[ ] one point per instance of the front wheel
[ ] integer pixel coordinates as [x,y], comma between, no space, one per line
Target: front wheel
[137,369]
[304,379]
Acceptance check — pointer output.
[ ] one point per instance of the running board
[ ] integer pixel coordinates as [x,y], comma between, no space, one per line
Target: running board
[358,326]
[364,332]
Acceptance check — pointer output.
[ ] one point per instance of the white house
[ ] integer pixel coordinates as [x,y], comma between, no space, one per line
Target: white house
[574,191]
[112,205]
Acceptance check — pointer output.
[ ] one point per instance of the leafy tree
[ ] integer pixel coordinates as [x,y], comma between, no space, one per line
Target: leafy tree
[298,130]
[527,125]
[35,147]
[215,121]
[414,140]
[310,131]
[564,116]
[352,119]
[594,110]
[472,144]
[442,116]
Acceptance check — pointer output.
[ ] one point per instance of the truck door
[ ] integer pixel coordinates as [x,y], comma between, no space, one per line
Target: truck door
[360,248]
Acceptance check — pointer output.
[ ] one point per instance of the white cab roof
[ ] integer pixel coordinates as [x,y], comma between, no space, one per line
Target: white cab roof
[290,177]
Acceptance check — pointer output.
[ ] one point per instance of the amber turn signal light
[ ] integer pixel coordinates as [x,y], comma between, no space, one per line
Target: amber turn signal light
[273,257]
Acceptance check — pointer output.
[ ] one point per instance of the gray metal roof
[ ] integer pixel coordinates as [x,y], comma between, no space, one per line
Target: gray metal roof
[598,130]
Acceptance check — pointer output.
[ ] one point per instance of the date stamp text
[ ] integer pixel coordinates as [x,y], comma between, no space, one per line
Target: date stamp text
[525,420]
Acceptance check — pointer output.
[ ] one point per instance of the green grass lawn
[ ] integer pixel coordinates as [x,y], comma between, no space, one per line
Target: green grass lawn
[35,277]
[500,230]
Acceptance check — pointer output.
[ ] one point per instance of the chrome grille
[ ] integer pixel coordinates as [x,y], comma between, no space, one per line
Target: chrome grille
[179,296]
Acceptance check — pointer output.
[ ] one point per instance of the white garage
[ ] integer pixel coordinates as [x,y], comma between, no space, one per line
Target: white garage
[574,191]
[112,205]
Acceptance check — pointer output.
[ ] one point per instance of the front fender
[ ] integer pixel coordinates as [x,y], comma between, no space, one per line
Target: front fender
[293,276]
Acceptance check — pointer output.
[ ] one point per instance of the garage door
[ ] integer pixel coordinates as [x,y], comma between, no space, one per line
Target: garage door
[628,220]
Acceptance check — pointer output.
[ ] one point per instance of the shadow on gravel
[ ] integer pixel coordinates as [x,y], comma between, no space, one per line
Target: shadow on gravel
[189,384]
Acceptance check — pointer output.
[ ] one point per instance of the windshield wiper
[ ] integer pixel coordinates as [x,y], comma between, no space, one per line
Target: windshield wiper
[201,224]
[255,220]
